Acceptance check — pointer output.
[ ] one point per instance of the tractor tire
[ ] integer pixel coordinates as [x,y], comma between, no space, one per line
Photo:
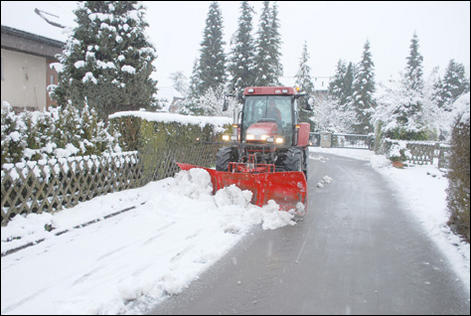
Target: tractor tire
[294,160]
[306,157]
[223,157]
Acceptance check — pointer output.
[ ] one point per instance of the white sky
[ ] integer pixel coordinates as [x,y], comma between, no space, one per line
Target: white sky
[333,30]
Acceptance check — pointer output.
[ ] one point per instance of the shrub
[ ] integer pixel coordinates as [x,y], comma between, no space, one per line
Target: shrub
[59,132]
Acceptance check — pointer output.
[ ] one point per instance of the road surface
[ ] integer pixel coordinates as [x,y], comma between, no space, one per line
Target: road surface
[356,252]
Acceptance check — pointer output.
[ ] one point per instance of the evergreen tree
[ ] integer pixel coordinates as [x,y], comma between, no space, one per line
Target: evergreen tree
[304,82]
[453,85]
[242,62]
[405,106]
[348,84]
[268,44]
[107,61]
[336,85]
[341,86]
[303,76]
[410,118]
[414,69]
[212,61]
[275,45]
[363,88]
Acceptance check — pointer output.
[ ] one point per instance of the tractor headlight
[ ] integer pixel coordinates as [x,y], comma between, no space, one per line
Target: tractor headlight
[250,137]
[226,138]
[279,140]
[270,139]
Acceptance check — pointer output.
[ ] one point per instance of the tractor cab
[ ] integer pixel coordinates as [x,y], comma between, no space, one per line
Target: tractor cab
[268,118]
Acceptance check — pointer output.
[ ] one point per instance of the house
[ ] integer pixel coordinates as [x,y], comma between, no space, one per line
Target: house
[170,99]
[321,87]
[25,68]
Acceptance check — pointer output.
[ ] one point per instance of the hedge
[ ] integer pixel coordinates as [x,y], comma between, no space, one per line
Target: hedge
[458,178]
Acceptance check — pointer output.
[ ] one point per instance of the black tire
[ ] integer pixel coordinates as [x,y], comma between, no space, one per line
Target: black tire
[223,157]
[294,160]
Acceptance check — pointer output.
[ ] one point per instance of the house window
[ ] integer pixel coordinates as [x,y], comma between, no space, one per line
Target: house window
[51,79]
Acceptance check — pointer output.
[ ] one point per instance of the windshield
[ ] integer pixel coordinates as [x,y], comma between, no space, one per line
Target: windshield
[269,108]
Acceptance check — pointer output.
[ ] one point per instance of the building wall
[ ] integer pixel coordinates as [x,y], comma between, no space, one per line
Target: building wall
[23,80]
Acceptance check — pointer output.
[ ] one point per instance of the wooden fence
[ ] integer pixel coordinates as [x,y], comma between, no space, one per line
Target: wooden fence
[49,186]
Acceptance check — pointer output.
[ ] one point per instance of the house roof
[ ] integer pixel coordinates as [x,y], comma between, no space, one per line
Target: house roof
[26,42]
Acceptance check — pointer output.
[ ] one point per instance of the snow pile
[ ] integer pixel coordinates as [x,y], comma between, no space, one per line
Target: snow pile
[325,180]
[129,261]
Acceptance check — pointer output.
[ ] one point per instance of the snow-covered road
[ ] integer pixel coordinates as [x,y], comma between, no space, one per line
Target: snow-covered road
[177,230]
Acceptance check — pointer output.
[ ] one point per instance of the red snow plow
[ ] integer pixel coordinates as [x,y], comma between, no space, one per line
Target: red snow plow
[267,152]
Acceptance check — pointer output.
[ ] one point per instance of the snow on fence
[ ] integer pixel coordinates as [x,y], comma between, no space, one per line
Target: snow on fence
[422,152]
[54,184]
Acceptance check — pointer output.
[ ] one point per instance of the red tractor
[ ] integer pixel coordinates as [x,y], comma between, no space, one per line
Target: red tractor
[267,152]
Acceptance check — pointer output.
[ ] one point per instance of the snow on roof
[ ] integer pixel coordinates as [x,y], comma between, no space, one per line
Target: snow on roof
[216,121]
[58,12]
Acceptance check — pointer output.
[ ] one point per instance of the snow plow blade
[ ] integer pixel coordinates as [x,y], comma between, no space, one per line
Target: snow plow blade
[287,189]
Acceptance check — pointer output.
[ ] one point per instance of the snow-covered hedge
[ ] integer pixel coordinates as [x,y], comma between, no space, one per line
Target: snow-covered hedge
[138,129]
[459,175]
[57,133]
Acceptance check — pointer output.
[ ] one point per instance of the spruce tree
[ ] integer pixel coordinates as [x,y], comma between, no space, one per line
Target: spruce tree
[242,61]
[341,86]
[348,84]
[107,61]
[363,88]
[304,82]
[453,85]
[268,44]
[212,73]
[263,76]
[410,118]
[414,69]
[275,45]
[336,85]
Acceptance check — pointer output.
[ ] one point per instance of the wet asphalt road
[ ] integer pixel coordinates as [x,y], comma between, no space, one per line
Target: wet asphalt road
[356,252]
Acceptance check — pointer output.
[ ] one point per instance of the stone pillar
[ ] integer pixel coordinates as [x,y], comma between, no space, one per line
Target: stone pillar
[326,140]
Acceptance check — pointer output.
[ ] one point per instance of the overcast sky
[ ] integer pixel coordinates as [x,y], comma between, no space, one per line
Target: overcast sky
[333,31]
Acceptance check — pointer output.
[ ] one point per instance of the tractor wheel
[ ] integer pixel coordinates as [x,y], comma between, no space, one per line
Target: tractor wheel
[306,157]
[294,160]
[223,157]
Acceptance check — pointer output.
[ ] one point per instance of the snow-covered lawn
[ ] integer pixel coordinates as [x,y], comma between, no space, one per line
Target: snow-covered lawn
[117,265]
[422,192]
